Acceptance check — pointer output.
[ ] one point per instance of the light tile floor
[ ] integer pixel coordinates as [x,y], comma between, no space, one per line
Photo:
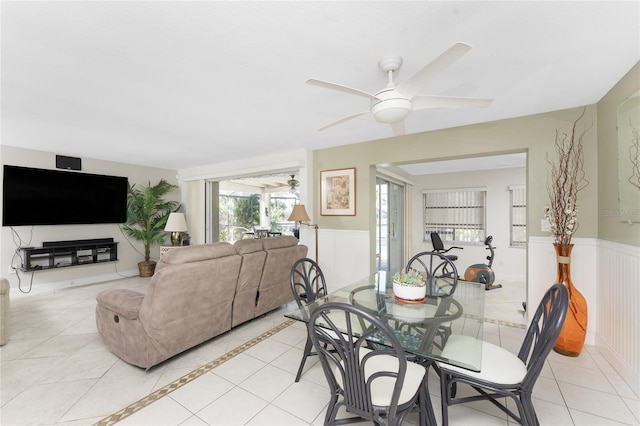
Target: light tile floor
[55,370]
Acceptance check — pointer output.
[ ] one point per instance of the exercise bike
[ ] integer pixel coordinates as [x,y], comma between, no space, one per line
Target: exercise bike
[481,273]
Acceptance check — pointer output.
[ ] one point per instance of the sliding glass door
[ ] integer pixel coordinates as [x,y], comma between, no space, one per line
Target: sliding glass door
[389,225]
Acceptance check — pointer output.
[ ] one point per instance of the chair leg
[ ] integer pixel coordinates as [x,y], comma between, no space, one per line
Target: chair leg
[332,410]
[307,351]
[426,406]
[528,413]
[445,397]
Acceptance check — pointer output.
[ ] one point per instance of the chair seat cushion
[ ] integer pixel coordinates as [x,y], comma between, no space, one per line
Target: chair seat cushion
[498,364]
[382,387]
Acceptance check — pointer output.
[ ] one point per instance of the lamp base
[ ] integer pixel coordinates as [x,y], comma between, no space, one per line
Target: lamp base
[176,238]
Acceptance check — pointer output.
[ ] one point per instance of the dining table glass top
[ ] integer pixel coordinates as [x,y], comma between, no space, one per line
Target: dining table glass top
[423,327]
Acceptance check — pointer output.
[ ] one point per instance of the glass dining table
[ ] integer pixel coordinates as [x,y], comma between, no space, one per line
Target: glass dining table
[424,327]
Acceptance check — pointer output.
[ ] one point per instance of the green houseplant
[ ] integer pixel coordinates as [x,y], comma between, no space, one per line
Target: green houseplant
[411,278]
[147,214]
[409,286]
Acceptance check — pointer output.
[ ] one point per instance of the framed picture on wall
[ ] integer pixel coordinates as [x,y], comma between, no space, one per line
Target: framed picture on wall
[338,192]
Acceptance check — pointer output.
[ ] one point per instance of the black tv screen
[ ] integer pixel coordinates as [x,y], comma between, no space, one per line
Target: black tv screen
[54,197]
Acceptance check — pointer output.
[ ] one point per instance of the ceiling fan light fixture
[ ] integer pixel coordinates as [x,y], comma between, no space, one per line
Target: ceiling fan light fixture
[391,110]
[394,103]
[293,184]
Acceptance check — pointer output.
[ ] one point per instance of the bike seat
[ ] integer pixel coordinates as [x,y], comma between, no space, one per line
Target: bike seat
[438,246]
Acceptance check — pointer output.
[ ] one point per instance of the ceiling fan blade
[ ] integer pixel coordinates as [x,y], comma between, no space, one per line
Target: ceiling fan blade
[427,102]
[398,128]
[339,87]
[342,120]
[411,86]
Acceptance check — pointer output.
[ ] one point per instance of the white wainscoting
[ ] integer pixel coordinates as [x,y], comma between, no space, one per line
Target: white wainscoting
[608,275]
[618,327]
[343,256]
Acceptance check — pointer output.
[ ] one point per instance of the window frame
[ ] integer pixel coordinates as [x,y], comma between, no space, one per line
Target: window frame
[520,224]
[454,231]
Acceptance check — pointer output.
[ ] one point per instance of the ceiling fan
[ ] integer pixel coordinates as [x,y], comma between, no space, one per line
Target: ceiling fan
[394,103]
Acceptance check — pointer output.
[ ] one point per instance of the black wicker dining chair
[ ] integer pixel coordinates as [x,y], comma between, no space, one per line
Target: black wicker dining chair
[439,271]
[377,385]
[502,373]
[307,284]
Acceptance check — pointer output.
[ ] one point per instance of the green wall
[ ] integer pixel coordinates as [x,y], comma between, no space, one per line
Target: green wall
[532,134]
[610,227]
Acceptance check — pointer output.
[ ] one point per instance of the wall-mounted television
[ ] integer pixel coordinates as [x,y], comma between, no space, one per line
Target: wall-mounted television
[54,197]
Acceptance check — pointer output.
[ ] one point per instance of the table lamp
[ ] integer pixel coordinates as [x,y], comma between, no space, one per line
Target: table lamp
[176,224]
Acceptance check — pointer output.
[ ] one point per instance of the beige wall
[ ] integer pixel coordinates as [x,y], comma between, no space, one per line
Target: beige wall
[534,135]
[128,252]
[610,227]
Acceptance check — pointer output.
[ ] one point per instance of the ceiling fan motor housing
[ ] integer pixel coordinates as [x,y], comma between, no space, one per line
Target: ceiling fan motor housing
[390,106]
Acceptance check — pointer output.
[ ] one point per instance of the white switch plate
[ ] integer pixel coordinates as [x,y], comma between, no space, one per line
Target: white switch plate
[544,225]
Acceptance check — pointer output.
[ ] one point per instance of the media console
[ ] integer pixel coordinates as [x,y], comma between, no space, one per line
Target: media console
[59,254]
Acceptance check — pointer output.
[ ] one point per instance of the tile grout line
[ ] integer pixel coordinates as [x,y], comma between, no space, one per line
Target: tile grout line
[176,384]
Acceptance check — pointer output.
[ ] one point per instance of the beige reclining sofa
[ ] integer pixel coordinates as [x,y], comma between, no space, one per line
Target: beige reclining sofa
[197,293]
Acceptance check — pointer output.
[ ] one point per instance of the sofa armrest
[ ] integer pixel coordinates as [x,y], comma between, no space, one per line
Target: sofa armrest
[122,301]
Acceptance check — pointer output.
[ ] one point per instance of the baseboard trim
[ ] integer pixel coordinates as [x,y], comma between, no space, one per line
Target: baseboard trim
[41,288]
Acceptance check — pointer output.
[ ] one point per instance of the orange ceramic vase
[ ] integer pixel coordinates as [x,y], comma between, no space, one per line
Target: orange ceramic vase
[574,330]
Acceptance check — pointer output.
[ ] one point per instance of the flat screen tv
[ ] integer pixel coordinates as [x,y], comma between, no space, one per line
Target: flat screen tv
[55,197]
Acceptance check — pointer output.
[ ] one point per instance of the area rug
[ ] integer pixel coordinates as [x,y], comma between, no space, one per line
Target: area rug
[151,398]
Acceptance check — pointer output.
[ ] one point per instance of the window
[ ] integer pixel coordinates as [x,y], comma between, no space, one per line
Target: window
[518,219]
[456,215]
[280,208]
[237,214]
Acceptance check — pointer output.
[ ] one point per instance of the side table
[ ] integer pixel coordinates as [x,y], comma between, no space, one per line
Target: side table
[166,249]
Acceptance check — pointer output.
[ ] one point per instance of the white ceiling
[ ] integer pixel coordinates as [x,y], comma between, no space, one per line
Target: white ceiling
[179,84]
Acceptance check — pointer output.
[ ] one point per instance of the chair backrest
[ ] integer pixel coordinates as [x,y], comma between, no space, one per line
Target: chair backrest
[347,361]
[543,331]
[307,281]
[261,233]
[440,272]
[436,242]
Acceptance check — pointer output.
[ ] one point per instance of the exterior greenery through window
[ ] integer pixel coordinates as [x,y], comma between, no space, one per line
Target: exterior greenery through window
[518,202]
[457,215]
[240,213]
[280,208]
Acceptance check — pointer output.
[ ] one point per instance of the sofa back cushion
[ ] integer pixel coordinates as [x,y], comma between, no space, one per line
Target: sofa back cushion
[253,257]
[195,253]
[275,288]
[190,296]
[279,242]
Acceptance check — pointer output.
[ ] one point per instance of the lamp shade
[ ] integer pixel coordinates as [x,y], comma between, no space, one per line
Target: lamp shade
[176,223]
[299,214]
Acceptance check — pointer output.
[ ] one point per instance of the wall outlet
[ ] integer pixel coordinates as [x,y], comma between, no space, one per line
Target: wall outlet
[12,271]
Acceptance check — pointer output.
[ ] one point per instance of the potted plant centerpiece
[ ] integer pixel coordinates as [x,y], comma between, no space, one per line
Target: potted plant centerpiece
[147,214]
[409,286]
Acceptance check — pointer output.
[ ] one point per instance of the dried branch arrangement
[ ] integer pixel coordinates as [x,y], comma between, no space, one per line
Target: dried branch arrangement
[566,178]
[634,156]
